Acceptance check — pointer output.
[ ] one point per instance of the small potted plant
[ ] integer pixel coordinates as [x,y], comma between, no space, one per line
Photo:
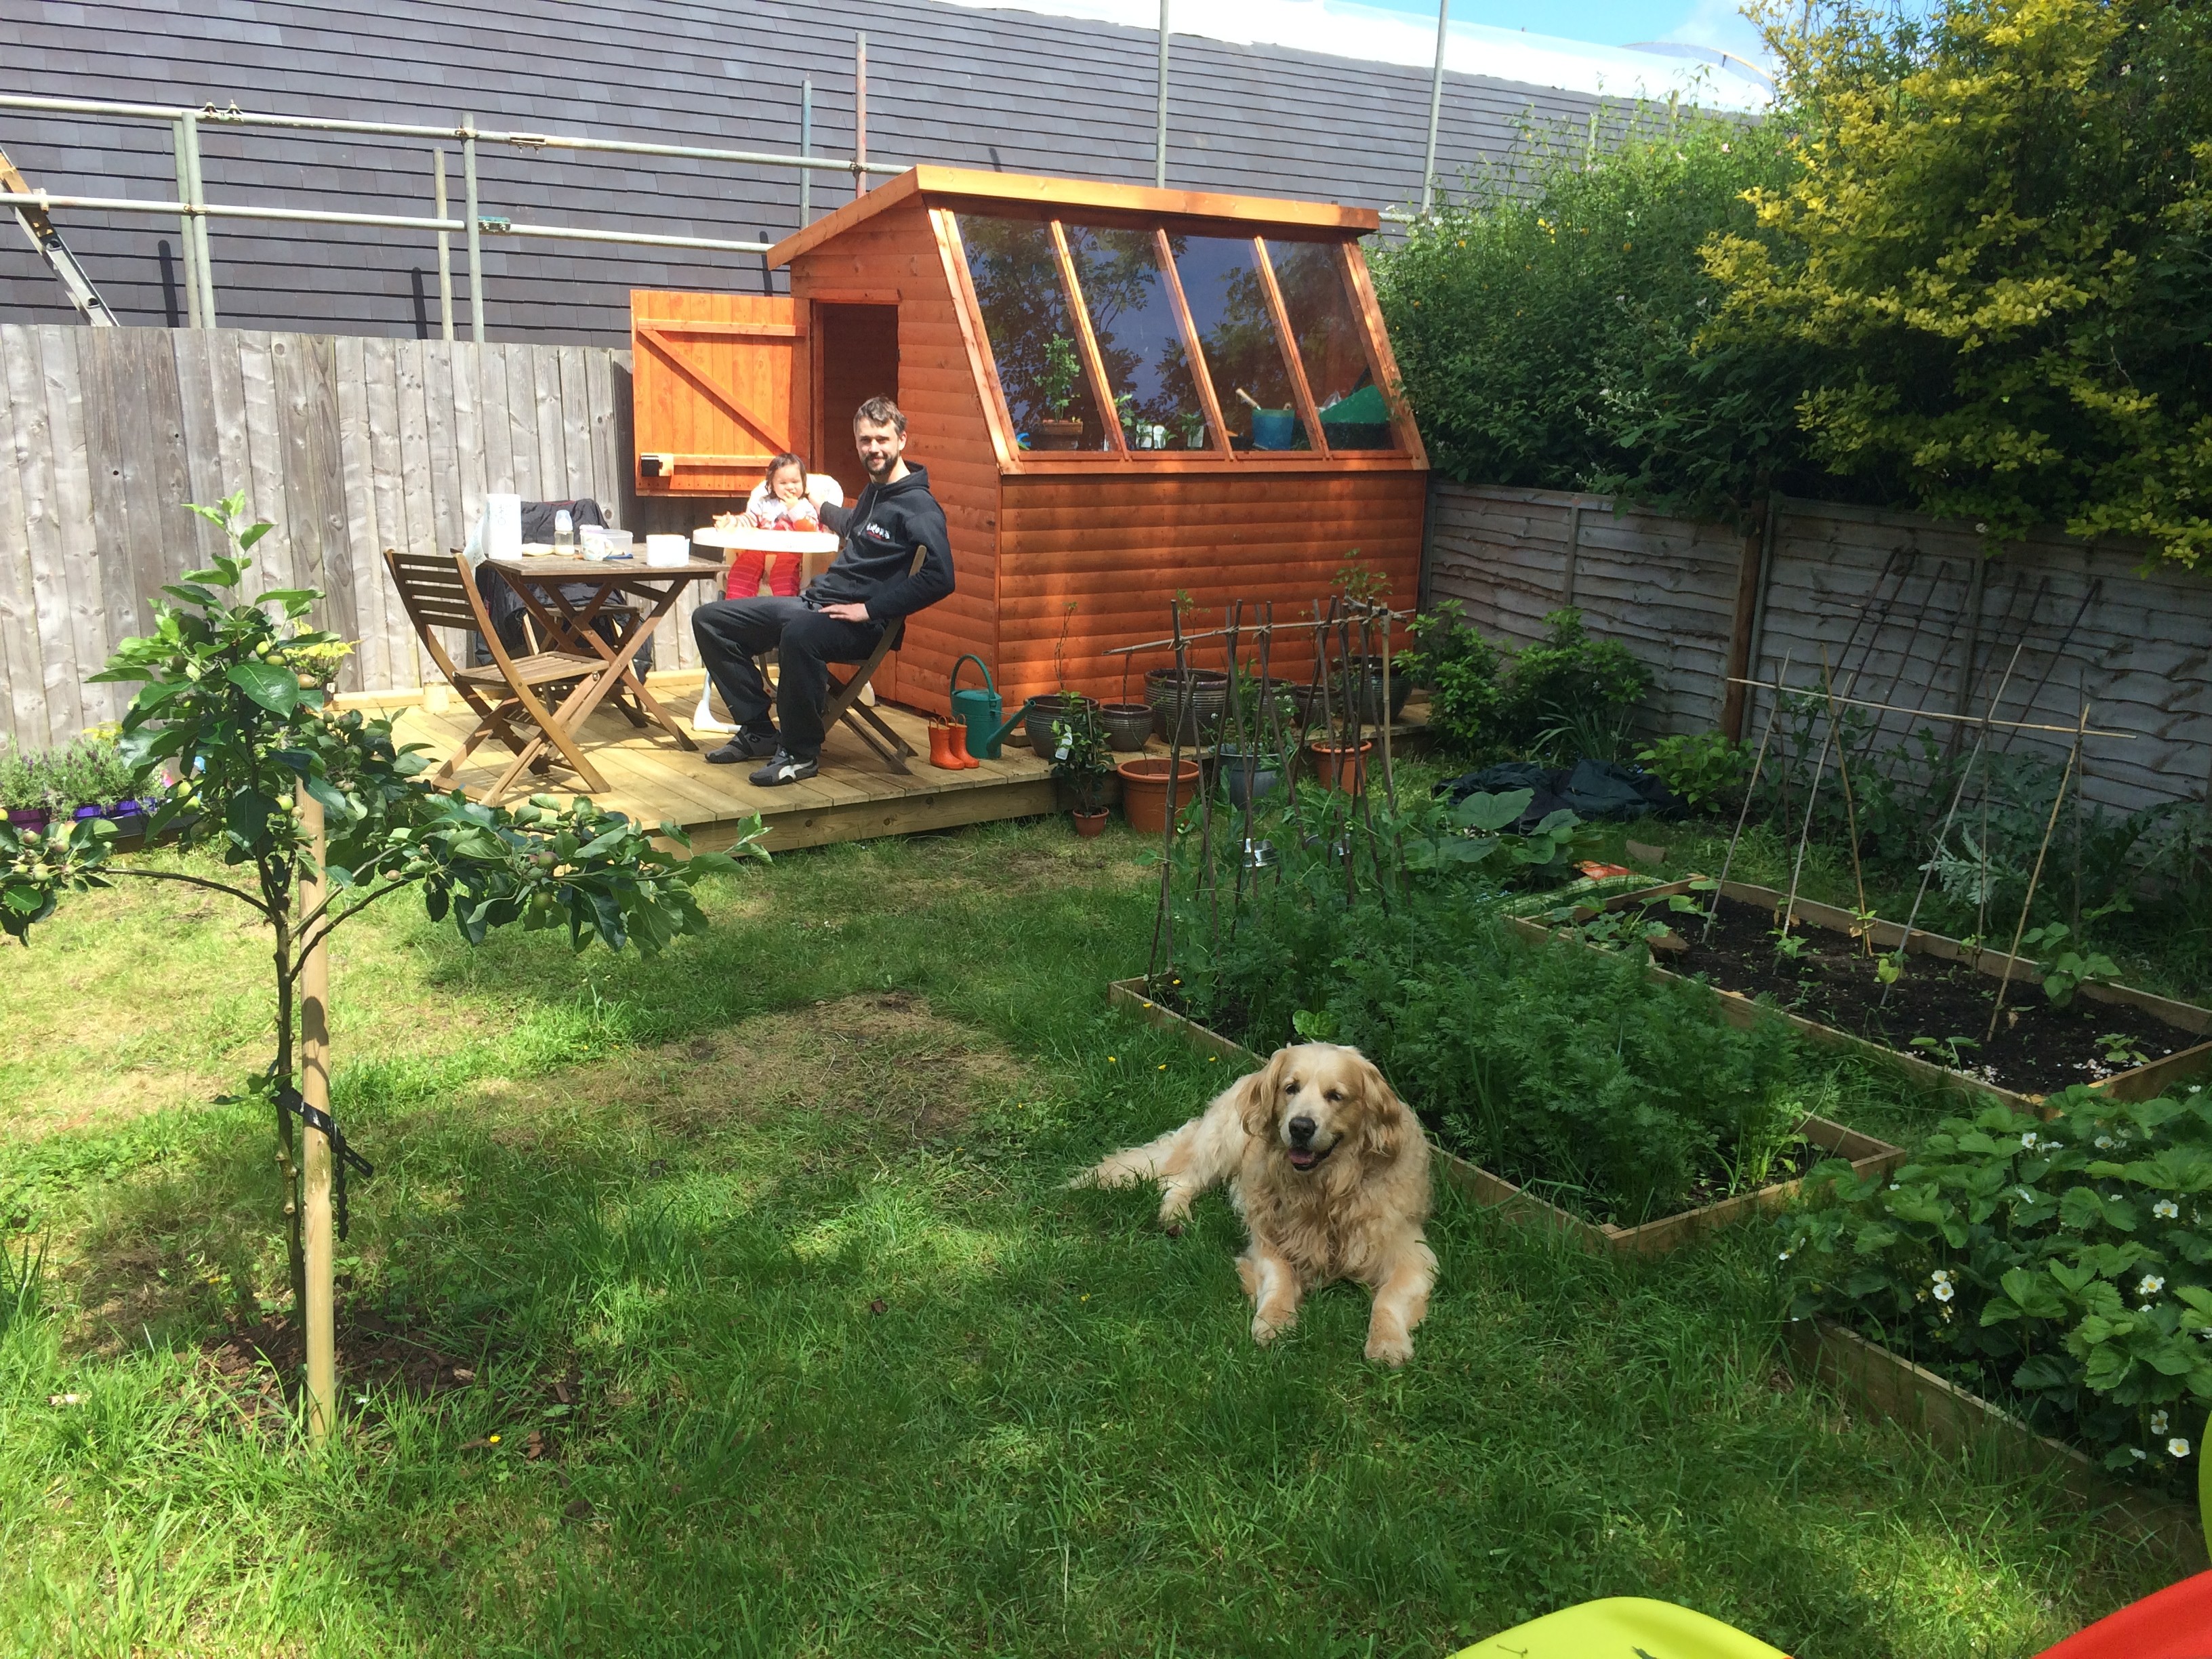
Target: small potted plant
[23,789]
[1056,383]
[1082,761]
[1053,706]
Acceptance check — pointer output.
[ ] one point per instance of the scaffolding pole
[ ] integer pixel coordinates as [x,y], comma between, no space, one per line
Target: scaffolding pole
[445,250]
[475,227]
[196,199]
[1436,109]
[1160,115]
[186,253]
[806,148]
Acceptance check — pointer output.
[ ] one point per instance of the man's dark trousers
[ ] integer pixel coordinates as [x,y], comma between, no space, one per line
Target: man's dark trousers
[730,632]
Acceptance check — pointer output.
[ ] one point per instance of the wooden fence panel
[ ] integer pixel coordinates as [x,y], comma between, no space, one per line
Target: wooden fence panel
[1908,610]
[349,446]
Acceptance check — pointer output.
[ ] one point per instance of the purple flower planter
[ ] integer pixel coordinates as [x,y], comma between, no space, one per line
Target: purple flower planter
[27,817]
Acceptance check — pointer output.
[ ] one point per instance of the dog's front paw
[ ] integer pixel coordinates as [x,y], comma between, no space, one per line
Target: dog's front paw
[1390,1350]
[1266,1328]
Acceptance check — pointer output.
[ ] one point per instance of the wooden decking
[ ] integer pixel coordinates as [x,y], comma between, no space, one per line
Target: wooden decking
[854,797]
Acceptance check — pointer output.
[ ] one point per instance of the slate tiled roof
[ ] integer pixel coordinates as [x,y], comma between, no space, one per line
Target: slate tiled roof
[1025,92]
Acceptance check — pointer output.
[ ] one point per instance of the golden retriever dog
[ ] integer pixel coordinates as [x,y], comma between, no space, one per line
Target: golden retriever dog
[1330,1170]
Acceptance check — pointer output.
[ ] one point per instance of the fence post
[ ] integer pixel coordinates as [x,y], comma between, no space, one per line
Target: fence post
[1574,547]
[1749,575]
[476,230]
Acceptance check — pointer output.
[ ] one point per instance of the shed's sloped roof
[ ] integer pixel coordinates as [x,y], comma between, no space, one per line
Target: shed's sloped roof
[976,88]
[973,190]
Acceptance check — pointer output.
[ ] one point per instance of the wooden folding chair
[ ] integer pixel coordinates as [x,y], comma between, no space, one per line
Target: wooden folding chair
[844,702]
[441,593]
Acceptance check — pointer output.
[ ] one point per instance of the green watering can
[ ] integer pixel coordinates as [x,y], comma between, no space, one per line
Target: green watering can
[980,711]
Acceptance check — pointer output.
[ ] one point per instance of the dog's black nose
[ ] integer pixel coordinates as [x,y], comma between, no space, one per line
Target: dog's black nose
[1301,1130]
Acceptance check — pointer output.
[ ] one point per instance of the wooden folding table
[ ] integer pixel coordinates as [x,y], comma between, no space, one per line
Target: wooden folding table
[569,622]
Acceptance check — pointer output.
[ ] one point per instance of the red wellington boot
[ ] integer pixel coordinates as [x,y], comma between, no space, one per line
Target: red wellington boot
[941,755]
[960,754]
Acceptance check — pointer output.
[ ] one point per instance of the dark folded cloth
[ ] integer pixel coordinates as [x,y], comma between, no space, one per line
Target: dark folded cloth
[1589,788]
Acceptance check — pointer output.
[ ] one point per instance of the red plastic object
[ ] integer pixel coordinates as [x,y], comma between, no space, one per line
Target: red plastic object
[2174,1624]
[1597,872]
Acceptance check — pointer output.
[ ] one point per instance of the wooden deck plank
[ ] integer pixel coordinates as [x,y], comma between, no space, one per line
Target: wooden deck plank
[854,797]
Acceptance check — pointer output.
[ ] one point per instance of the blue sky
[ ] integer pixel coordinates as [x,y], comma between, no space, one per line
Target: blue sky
[1607,22]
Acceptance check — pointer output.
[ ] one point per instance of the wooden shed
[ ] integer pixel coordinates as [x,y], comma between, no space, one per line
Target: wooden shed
[1121,394]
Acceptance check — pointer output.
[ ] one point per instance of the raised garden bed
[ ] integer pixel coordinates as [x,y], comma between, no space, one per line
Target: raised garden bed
[1949,1417]
[1830,992]
[1867,1156]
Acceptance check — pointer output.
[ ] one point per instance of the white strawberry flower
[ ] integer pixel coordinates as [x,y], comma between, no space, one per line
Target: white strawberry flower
[2165,1209]
[2149,1285]
[2104,1142]
[2158,1422]
[2176,1447]
[2027,1141]
[1944,1292]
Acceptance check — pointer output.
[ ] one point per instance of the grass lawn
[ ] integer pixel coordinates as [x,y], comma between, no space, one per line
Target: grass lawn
[732,1304]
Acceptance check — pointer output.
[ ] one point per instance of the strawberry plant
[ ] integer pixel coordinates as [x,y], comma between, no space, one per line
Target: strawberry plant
[2061,1267]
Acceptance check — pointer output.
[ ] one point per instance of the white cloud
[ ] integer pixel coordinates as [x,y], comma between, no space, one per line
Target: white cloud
[1345,28]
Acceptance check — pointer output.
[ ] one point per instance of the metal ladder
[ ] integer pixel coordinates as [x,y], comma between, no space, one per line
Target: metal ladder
[53,250]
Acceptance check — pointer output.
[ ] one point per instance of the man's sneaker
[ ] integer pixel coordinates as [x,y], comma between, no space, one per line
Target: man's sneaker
[785,768]
[746,745]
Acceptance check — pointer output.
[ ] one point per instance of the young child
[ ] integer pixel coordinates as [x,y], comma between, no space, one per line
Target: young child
[778,502]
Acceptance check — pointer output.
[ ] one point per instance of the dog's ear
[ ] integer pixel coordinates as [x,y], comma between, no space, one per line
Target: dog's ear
[1262,1093]
[1385,1119]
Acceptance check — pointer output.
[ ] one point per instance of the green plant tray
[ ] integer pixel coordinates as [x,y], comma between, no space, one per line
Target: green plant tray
[2144,1083]
[1867,1156]
[1890,1386]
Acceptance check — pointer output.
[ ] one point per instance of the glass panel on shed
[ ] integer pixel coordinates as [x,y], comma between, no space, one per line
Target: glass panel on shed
[1237,337]
[1031,333]
[1333,344]
[1140,341]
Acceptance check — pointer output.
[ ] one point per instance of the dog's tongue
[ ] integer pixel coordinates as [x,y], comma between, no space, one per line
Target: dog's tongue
[1302,1157]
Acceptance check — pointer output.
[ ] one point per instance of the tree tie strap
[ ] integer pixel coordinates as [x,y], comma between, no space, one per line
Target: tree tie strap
[341,1151]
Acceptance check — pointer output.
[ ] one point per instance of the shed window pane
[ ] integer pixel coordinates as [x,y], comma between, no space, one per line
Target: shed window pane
[1031,333]
[1332,345]
[1147,370]
[1237,337]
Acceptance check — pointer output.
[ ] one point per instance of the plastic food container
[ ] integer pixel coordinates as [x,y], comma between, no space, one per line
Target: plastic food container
[664,551]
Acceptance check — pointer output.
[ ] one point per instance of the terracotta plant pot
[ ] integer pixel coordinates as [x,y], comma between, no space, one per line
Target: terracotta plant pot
[1340,766]
[1146,797]
[1089,825]
[1056,434]
[1128,725]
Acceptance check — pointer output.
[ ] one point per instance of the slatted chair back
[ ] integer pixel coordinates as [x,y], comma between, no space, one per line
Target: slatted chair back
[438,591]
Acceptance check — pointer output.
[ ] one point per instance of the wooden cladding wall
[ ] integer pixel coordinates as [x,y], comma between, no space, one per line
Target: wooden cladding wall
[1907,609]
[349,446]
[1120,546]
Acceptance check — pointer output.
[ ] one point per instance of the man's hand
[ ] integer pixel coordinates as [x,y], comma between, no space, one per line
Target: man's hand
[849,613]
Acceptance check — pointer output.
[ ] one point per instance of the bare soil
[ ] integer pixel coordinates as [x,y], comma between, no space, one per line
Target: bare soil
[2037,1048]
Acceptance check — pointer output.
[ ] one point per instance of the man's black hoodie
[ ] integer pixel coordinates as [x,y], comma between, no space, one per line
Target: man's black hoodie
[881,531]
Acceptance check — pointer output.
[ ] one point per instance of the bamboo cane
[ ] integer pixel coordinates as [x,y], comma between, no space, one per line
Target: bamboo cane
[2005,984]
[1773,719]
[1851,807]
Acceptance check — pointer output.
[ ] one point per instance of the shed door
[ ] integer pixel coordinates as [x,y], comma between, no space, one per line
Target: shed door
[719,385]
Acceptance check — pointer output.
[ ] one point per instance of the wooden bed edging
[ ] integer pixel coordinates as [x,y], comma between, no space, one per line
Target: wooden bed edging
[1867,1156]
[2144,1083]
[1950,1418]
